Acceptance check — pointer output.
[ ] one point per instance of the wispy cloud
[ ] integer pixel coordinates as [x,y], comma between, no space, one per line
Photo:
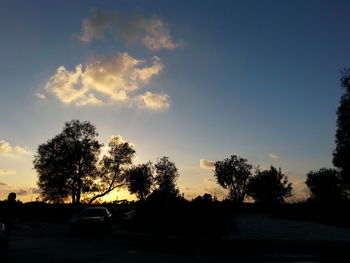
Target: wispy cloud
[274,156]
[7,171]
[210,165]
[12,151]
[113,79]
[153,32]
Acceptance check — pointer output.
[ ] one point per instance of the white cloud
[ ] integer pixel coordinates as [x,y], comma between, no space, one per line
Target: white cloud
[210,165]
[40,95]
[274,156]
[7,171]
[154,101]
[5,147]
[12,152]
[152,33]
[108,80]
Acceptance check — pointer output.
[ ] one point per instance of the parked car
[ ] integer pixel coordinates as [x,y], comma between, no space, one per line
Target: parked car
[3,240]
[92,219]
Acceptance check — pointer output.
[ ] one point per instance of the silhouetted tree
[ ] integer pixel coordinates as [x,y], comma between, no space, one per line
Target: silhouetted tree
[165,178]
[269,186]
[140,180]
[341,153]
[66,164]
[113,167]
[233,174]
[325,185]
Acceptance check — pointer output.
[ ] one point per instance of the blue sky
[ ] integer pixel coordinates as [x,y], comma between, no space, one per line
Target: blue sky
[202,80]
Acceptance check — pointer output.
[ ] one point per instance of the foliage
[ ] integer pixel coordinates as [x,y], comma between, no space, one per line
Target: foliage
[66,164]
[165,178]
[269,186]
[140,180]
[113,167]
[233,174]
[325,185]
[342,151]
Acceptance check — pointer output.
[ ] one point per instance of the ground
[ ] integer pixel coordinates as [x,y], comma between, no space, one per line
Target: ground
[257,239]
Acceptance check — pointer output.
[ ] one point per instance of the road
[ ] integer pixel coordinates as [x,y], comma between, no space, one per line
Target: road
[52,243]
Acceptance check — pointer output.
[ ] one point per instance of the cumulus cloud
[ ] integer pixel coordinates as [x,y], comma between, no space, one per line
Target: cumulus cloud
[210,165]
[7,171]
[116,78]
[152,33]
[274,156]
[12,151]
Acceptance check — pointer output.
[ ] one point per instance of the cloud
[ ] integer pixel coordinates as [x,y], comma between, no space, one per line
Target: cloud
[153,33]
[5,147]
[94,27]
[210,180]
[210,165]
[112,79]
[154,101]
[274,156]
[12,152]
[22,192]
[7,171]
[2,184]
[40,95]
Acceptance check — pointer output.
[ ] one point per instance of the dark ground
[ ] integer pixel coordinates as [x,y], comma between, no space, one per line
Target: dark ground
[254,241]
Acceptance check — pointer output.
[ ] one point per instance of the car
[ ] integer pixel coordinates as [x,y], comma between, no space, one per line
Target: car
[91,219]
[3,239]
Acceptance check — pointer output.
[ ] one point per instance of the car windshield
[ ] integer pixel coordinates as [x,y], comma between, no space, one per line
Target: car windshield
[92,212]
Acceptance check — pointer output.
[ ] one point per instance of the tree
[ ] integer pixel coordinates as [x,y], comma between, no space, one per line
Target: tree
[113,167]
[269,186]
[233,174]
[66,164]
[342,151]
[140,180]
[325,185]
[166,175]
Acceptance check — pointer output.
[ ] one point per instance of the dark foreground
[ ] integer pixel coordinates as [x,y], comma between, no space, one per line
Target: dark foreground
[51,242]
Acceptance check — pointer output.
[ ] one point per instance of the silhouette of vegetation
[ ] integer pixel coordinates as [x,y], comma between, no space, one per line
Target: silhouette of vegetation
[233,174]
[66,164]
[140,180]
[113,168]
[165,178]
[342,151]
[325,185]
[269,186]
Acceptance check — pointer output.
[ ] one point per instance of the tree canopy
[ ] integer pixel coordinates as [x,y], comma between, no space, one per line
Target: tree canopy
[233,174]
[342,137]
[66,164]
[325,185]
[165,178]
[69,166]
[140,180]
[269,186]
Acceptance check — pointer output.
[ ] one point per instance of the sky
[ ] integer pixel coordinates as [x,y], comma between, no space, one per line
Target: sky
[197,81]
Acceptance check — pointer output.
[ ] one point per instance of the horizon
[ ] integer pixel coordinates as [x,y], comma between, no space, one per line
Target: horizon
[196,81]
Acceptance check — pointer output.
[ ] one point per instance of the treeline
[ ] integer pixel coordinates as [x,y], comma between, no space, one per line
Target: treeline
[70,168]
